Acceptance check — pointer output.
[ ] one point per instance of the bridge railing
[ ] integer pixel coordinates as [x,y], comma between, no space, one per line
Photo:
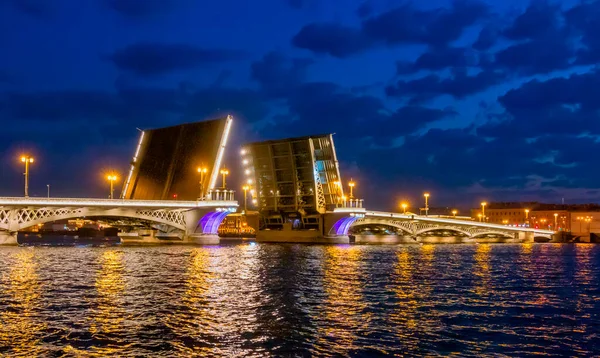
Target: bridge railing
[351,203]
[221,195]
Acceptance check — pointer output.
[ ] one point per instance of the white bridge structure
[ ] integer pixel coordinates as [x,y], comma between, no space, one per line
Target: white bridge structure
[189,219]
[346,220]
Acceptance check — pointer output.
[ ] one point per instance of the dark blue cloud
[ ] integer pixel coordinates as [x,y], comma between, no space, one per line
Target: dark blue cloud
[277,75]
[584,20]
[487,38]
[407,24]
[402,25]
[555,106]
[333,39]
[459,85]
[539,18]
[439,58]
[148,59]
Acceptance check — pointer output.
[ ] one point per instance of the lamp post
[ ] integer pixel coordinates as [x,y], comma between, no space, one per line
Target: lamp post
[26,159]
[555,221]
[454,212]
[111,178]
[351,185]
[202,171]
[426,195]
[224,172]
[483,204]
[245,187]
[404,206]
[527,217]
[48,186]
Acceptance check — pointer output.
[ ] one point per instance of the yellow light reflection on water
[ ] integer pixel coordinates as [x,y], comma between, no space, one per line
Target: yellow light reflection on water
[196,319]
[107,316]
[344,305]
[481,269]
[19,328]
[404,316]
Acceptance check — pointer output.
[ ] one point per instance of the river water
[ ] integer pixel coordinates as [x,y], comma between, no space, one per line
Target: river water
[300,300]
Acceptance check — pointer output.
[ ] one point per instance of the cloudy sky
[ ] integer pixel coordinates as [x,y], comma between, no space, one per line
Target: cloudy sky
[469,100]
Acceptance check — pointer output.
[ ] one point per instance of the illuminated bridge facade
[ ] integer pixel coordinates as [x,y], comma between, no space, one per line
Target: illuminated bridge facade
[349,221]
[187,218]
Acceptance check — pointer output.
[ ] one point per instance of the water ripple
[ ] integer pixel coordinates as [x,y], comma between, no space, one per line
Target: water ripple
[300,300]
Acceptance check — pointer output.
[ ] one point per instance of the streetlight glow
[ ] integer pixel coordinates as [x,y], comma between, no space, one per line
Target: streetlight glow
[26,159]
[426,195]
[202,171]
[111,178]
[351,184]
[224,172]
[483,204]
[404,206]
[245,187]
[454,212]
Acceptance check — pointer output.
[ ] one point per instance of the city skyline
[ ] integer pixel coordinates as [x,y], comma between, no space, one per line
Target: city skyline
[488,101]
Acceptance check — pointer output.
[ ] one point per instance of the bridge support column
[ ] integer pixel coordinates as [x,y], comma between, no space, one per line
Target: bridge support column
[202,226]
[526,236]
[8,238]
[336,226]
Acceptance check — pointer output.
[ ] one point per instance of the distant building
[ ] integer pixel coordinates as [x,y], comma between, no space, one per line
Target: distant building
[507,213]
[166,161]
[293,180]
[576,218]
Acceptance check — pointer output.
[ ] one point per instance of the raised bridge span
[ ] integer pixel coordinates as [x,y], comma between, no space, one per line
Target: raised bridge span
[350,219]
[190,218]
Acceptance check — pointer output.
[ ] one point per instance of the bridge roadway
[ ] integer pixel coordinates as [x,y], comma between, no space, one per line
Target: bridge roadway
[192,220]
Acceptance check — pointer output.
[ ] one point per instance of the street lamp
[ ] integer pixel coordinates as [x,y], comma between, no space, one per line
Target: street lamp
[26,159]
[224,172]
[245,187]
[202,171]
[111,178]
[351,185]
[48,186]
[426,195]
[404,206]
[527,217]
[483,204]
[454,212]
[555,221]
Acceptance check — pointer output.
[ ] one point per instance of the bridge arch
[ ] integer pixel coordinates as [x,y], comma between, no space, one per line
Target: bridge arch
[20,219]
[444,228]
[493,232]
[404,226]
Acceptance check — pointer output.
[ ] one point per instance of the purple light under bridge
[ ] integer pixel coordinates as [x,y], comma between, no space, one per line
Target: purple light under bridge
[211,221]
[342,226]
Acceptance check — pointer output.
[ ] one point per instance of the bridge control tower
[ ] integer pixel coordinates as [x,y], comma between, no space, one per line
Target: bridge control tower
[166,161]
[294,180]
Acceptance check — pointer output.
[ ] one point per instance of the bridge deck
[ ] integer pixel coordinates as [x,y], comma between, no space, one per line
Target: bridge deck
[91,202]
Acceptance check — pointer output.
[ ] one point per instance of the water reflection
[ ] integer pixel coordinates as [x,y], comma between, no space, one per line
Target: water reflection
[343,318]
[405,314]
[301,300]
[109,322]
[20,329]
[195,319]
[481,270]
